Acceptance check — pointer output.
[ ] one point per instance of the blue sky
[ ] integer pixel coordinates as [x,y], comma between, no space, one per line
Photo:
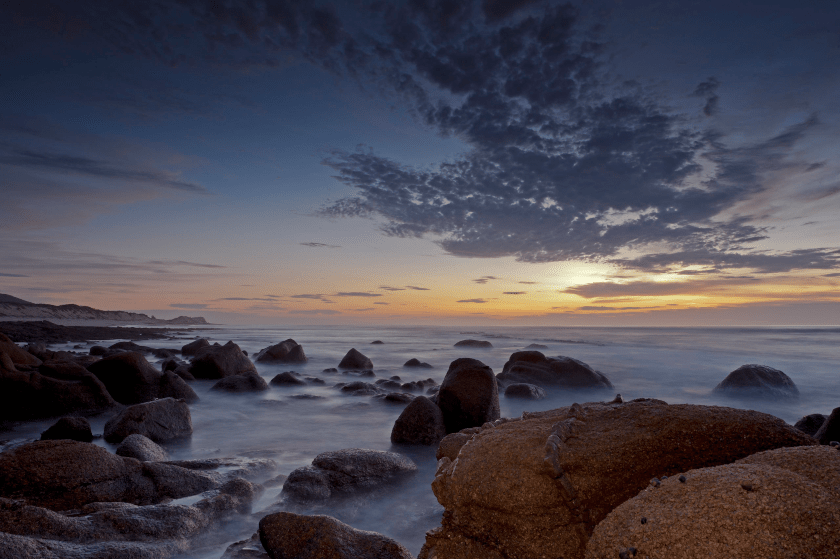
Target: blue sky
[274,161]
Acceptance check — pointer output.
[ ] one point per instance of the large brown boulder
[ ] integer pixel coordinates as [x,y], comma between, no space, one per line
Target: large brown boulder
[288,351]
[161,420]
[758,381]
[29,394]
[64,474]
[421,422]
[354,359]
[537,486]
[193,347]
[830,430]
[286,535]
[131,379]
[778,503]
[215,362]
[468,395]
[532,367]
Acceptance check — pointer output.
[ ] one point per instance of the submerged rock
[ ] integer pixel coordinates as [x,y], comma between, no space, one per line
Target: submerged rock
[286,535]
[252,548]
[473,343]
[246,382]
[287,378]
[288,351]
[161,420]
[343,472]
[416,363]
[537,486]
[525,391]
[355,360]
[532,367]
[468,395]
[757,381]
[72,428]
[421,422]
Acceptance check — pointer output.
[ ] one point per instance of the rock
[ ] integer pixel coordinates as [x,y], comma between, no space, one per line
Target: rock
[130,379]
[227,469]
[251,548]
[183,371]
[377,342]
[64,474]
[165,353]
[525,391]
[285,352]
[72,428]
[214,362]
[537,486]
[286,535]
[330,370]
[757,381]
[536,346]
[343,472]
[359,388]
[287,378]
[396,397]
[160,420]
[388,384]
[784,499]
[193,347]
[142,448]
[106,530]
[416,363]
[421,422]
[18,355]
[473,343]
[830,429]
[532,367]
[315,380]
[810,424]
[130,346]
[64,370]
[355,360]
[246,382]
[451,444]
[169,364]
[98,350]
[468,395]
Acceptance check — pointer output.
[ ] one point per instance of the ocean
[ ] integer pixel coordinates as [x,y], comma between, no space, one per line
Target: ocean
[678,365]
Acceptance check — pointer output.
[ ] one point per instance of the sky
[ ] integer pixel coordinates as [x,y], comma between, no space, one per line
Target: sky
[605,162]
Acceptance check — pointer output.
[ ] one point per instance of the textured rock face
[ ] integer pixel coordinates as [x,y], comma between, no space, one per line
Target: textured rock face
[811,423]
[421,422]
[355,360]
[777,503]
[345,471]
[473,343]
[525,391]
[141,448]
[72,428]
[64,474]
[286,535]
[757,381]
[830,429]
[130,379]
[288,351]
[18,355]
[537,486]
[220,361]
[193,347]
[117,530]
[161,420]
[468,395]
[533,367]
[246,382]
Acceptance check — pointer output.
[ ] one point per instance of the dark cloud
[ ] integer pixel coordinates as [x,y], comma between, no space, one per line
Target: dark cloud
[13,275]
[356,294]
[528,282]
[472,301]
[659,288]
[834,275]
[246,299]
[514,292]
[365,309]
[315,311]
[319,245]
[597,308]
[389,288]
[415,288]
[707,90]
[315,296]
[188,305]
[485,279]
[499,9]
[184,263]
[380,303]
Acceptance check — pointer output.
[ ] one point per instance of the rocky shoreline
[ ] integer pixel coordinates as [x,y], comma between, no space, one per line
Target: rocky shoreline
[45,332]
[601,479]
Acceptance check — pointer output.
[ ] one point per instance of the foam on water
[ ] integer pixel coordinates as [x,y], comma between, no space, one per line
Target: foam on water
[292,424]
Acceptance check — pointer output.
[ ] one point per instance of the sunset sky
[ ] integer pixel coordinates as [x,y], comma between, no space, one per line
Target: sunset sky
[518,162]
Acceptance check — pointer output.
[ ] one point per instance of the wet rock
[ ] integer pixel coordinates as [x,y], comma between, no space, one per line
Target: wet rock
[165,353]
[183,371]
[415,363]
[388,384]
[536,346]
[421,423]
[792,503]
[473,343]
[214,362]
[525,391]
[288,351]
[377,342]
[106,530]
[468,395]
[330,370]
[359,388]
[315,380]
[142,448]
[757,381]
[160,420]
[287,378]
[246,382]
[286,535]
[418,385]
[811,423]
[192,348]
[169,364]
[396,397]
[830,429]
[227,469]
[64,475]
[524,484]
[343,472]
[72,428]
[130,379]
[18,355]
[63,369]
[355,360]
[532,367]
[251,548]
[130,346]
[98,350]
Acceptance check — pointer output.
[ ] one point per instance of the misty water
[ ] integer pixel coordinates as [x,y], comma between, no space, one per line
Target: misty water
[291,425]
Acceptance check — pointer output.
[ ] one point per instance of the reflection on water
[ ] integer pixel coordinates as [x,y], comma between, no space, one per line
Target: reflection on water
[292,424]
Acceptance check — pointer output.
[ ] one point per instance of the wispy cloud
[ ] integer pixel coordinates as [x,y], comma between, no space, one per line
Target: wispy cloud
[514,292]
[13,275]
[389,288]
[485,279]
[414,287]
[356,294]
[319,245]
[188,305]
[315,311]
[472,301]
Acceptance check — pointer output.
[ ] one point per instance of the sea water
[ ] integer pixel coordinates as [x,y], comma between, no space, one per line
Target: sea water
[291,425]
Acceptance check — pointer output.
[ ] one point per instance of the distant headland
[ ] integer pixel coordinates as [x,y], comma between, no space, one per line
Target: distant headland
[13,307]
